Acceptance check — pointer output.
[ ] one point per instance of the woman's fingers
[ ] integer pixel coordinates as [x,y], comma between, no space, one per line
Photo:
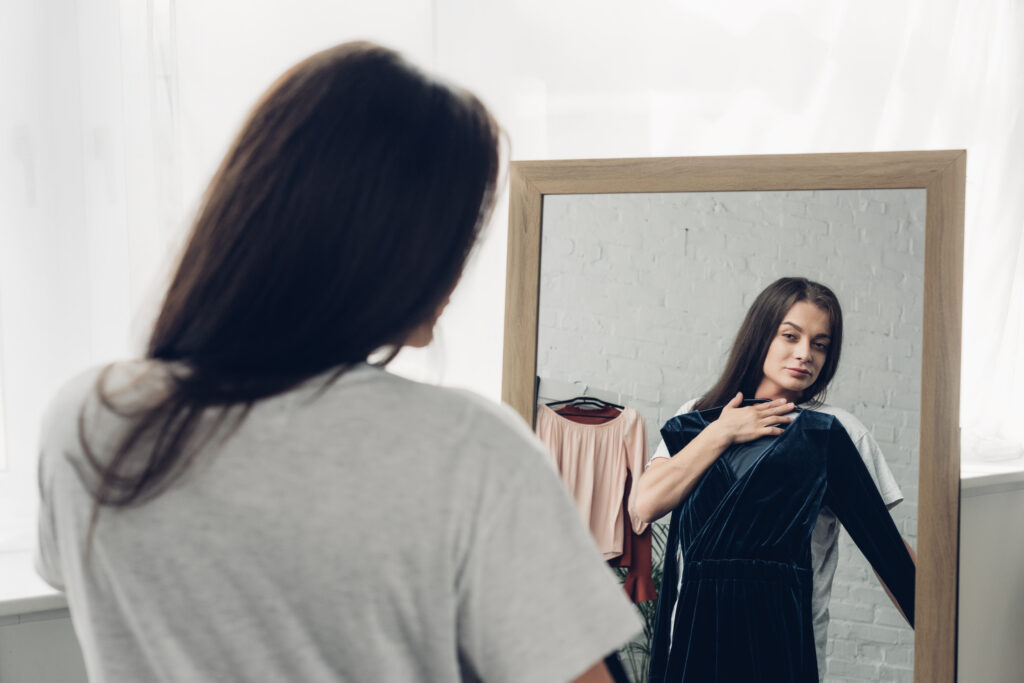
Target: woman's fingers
[776,407]
[775,420]
[751,422]
[733,405]
[775,415]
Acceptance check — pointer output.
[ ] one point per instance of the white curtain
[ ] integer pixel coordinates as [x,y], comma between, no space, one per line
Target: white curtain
[91,205]
[116,112]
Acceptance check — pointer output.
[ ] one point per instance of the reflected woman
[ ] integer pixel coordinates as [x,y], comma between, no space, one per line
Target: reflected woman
[757,491]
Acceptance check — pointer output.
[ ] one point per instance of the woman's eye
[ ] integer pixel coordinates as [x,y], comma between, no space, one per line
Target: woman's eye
[821,347]
[791,337]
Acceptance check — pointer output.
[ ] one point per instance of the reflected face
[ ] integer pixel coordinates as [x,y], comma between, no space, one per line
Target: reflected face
[797,353]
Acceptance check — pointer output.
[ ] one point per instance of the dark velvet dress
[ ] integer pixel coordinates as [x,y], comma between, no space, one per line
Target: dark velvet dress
[743,611]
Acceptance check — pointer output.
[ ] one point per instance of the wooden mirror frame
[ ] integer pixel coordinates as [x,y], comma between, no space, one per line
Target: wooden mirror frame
[941,174]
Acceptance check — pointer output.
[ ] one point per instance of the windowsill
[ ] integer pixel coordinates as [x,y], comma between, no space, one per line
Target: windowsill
[980,477]
[22,591]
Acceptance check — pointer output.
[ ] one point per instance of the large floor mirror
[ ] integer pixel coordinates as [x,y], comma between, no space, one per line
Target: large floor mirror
[627,279]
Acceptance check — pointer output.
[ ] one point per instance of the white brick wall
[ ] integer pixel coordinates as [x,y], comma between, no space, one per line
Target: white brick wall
[641,295]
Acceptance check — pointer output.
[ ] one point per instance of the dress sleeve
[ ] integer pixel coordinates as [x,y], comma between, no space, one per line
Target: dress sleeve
[871,454]
[853,497]
[636,457]
[535,600]
[680,431]
[662,450]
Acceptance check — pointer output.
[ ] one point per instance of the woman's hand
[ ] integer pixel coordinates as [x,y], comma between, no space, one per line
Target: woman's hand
[739,425]
[668,480]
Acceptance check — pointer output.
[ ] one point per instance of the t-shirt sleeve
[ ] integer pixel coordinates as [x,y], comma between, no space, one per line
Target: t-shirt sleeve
[662,450]
[58,434]
[535,600]
[47,554]
[873,458]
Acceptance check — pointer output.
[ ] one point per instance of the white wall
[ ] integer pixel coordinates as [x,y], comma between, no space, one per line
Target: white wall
[991,585]
[40,648]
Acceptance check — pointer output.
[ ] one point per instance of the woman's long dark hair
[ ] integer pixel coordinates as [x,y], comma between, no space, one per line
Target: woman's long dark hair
[745,368]
[338,223]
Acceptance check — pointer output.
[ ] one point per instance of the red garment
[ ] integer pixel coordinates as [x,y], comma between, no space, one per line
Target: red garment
[588,416]
[638,584]
[635,548]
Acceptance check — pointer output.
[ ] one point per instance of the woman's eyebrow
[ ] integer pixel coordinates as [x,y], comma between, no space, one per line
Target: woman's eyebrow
[800,329]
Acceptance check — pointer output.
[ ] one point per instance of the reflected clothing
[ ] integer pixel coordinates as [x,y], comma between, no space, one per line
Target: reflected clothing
[635,558]
[594,461]
[742,611]
[825,537]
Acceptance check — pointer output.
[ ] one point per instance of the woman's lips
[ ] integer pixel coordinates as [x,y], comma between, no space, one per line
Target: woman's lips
[798,372]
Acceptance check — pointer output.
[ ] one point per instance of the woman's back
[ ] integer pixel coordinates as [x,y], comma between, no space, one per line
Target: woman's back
[372,528]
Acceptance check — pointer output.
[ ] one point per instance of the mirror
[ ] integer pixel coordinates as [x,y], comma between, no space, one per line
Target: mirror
[627,279]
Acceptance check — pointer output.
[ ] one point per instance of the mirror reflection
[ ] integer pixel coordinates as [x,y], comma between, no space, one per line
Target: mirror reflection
[641,297]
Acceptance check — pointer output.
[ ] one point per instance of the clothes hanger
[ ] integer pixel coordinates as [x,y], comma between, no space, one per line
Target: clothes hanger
[586,400]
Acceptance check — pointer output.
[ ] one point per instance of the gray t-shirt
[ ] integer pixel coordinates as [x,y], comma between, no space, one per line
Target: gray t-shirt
[377,529]
[825,535]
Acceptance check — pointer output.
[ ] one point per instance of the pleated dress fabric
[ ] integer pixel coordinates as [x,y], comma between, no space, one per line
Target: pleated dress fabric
[742,612]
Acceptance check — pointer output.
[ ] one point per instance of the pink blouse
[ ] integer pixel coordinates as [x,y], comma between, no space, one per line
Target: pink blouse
[593,460]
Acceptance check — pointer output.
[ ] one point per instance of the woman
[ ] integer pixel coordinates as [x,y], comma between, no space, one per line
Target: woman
[786,351]
[253,500]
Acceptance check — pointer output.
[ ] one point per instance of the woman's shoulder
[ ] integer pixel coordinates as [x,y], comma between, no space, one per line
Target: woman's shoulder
[462,413]
[127,380]
[442,402]
[72,394]
[488,417]
[101,392]
[99,400]
[482,435]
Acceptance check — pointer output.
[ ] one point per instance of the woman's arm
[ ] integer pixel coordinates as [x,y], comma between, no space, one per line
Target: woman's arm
[668,481]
